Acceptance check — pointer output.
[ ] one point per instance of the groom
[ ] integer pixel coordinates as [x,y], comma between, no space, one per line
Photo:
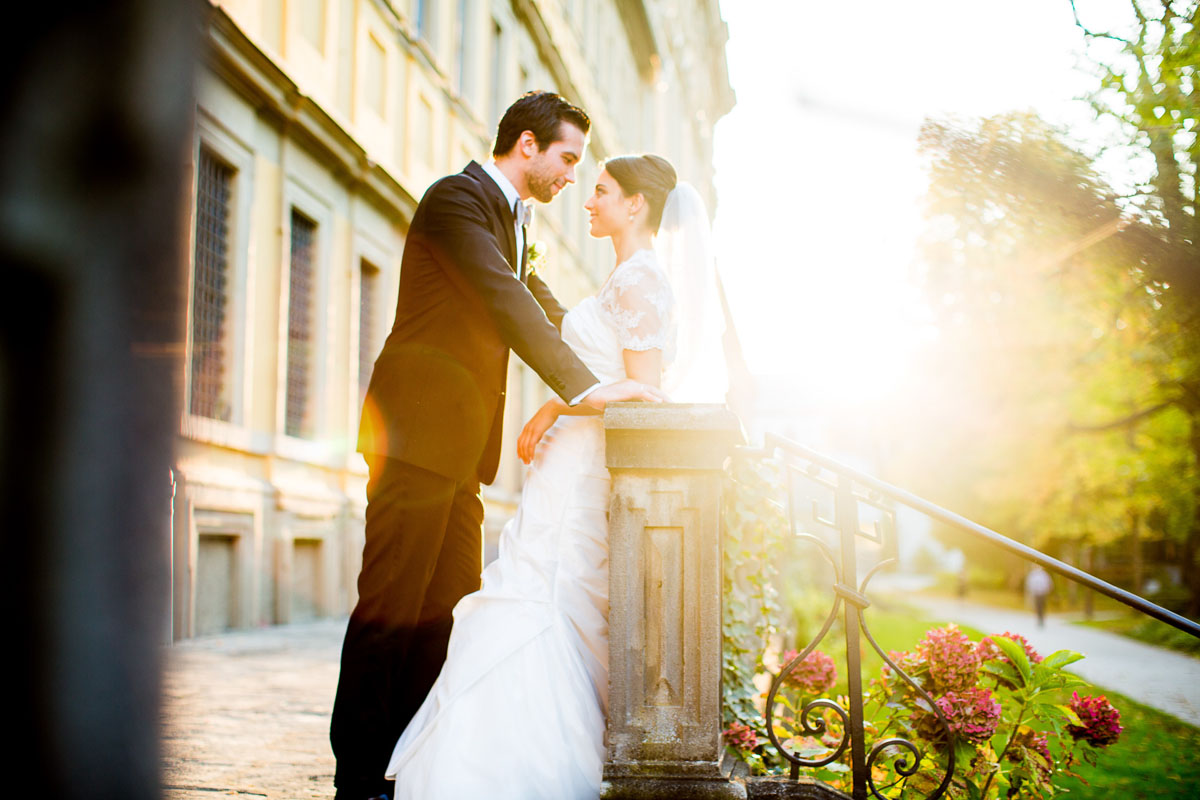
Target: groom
[432,418]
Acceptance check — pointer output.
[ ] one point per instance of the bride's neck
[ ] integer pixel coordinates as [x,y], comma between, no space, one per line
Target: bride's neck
[627,243]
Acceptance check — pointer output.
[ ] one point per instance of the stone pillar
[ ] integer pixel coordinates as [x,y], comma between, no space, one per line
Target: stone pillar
[664,720]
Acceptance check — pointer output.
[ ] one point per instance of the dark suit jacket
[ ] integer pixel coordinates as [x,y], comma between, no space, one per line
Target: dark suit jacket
[436,397]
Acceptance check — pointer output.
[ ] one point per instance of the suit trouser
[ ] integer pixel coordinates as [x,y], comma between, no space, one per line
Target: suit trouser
[423,552]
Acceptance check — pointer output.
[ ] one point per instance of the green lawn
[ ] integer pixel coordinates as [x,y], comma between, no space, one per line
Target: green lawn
[1157,757]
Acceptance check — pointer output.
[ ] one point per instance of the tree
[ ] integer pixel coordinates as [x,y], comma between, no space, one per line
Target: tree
[1058,410]
[1149,84]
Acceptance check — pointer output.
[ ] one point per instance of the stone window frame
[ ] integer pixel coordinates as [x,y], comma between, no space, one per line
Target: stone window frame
[316,447]
[225,147]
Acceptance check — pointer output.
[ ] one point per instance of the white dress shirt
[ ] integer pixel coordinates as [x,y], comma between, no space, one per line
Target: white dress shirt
[513,197]
[510,195]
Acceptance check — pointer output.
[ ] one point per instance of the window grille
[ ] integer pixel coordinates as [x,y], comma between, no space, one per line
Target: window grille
[210,290]
[300,343]
[367,346]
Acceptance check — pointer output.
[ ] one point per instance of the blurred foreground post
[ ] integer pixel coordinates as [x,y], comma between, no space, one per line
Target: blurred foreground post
[664,717]
[95,111]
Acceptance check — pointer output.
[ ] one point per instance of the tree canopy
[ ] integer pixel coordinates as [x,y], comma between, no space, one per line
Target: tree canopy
[1062,394]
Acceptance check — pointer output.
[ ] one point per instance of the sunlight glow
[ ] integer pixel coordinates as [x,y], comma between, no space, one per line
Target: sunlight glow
[819,182]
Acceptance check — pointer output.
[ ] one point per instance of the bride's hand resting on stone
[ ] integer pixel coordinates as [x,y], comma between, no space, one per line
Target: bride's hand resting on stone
[644,368]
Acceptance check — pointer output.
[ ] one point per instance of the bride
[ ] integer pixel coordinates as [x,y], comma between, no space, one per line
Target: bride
[519,708]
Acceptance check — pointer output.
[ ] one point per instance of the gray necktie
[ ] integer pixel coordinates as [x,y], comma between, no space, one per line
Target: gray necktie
[522,213]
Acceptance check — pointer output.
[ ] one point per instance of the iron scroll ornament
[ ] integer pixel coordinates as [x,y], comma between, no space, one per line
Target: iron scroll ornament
[820,727]
[879,748]
[852,724]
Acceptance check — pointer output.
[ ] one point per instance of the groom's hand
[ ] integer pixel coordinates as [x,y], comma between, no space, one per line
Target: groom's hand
[621,392]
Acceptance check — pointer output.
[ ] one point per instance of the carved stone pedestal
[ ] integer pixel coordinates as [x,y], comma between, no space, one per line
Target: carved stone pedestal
[664,724]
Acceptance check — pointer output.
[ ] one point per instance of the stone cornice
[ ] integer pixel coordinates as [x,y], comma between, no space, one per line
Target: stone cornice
[551,36]
[641,38]
[231,55]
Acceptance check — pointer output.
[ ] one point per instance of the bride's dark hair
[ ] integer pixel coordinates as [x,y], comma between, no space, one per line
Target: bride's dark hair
[649,175]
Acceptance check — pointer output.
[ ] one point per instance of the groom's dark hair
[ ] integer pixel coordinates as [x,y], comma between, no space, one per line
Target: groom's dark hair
[540,113]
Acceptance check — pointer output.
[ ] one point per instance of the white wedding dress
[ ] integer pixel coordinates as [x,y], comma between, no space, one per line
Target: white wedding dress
[519,708]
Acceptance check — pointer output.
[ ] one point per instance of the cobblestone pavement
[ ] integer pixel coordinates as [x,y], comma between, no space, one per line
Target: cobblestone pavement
[246,714]
[1160,678]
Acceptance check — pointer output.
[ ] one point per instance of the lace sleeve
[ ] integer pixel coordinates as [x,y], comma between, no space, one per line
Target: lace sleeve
[639,302]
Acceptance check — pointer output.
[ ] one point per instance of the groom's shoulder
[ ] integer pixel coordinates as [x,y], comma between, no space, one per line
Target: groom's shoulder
[457,184]
[467,180]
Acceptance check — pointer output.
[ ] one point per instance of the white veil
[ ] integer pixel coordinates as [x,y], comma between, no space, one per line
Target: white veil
[684,247]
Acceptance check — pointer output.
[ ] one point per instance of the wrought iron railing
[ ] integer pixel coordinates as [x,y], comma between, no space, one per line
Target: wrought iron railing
[853,490]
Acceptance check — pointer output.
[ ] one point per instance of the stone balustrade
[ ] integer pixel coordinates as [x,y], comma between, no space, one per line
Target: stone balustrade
[664,724]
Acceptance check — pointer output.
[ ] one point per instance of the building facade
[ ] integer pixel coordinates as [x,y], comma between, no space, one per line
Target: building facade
[319,124]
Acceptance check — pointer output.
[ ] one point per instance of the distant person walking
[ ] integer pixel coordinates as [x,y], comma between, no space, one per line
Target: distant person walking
[1038,585]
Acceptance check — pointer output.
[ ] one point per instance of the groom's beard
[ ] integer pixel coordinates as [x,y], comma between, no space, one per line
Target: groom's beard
[541,183]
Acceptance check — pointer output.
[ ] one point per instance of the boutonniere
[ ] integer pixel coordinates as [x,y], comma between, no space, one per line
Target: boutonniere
[535,257]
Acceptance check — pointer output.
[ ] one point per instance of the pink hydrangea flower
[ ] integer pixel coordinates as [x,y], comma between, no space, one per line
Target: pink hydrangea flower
[973,715]
[740,736]
[909,662]
[1101,720]
[952,658]
[816,673]
[1039,745]
[988,651]
[1028,744]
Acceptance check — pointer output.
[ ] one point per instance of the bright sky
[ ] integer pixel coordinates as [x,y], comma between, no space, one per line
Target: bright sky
[818,178]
